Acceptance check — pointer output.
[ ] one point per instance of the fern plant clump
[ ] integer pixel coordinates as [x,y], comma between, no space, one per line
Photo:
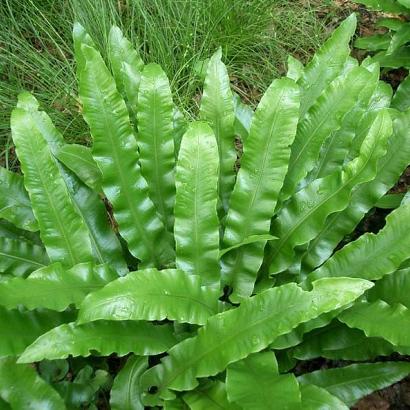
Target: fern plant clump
[205,285]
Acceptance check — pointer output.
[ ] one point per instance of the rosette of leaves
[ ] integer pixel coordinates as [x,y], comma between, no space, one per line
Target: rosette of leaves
[146,271]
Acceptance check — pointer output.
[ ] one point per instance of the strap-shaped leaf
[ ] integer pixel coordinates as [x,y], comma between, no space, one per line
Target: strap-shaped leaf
[324,117]
[401,98]
[87,204]
[295,68]
[120,51]
[339,342]
[54,287]
[23,388]
[326,64]
[335,149]
[79,160]
[376,42]
[15,204]
[196,229]
[155,139]
[210,395]
[180,127]
[152,295]
[243,117]
[116,153]
[19,329]
[393,288]
[61,229]
[80,37]
[105,243]
[390,167]
[372,256]
[233,335]
[9,230]
[141,338]
[126,390]
[365,196]
[305,214]
[254,383]
[401,58]
[351,383]
[316,398]
[400,38]
[379,319]
[247,241]
[19,257]
[218,109]
[264,165]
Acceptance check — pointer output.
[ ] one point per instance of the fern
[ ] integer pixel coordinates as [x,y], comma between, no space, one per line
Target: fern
[160,239]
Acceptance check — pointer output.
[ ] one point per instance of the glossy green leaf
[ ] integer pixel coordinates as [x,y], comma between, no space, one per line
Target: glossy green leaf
[23,388]
[401,98]
[19,257]
[79,160]
[374,43]
[232,335]
[120,51]
[81,391]
[390,201]
[392,23]
[324,117]
[9,230]
[399,59]
[326,64]
[365,196]
[247,241]
[155,140]
[209,396]
[264,165]
[87,204]
[243,117]
[296,336]
[105,243]
[19,329]
[353,382]
[305,214]
[80,37]
[15,204]
[379,319]
[336,147]
[180,127]
[372,256]
[316,398]
[141,338]
[400,38]
[126,390]
[115,151]
[62,231]
[254,383]
[295,68]
[152,295]
[54,287]
[217,108]
[339,342]
[196,229]
[393,288]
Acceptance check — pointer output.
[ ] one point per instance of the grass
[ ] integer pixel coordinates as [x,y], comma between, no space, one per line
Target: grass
[255,35]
